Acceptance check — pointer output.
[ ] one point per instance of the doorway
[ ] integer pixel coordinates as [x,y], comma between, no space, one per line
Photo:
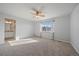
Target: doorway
[10,29]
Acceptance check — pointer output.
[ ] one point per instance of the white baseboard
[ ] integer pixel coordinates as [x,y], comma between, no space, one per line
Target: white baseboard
[74,47]
[63,41]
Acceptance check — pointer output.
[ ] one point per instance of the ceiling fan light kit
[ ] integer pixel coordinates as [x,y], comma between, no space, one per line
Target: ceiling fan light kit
[38,12]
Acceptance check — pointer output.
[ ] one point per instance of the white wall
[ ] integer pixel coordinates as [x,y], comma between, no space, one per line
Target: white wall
[47,35]
[37,29]
[1,32]
[24,28]
[62,28]
[75,28]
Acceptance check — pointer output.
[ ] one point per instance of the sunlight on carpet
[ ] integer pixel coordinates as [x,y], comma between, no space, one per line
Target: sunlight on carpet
[22,41]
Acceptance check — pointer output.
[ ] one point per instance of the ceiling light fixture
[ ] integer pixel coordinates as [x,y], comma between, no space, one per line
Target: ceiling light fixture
[38,12]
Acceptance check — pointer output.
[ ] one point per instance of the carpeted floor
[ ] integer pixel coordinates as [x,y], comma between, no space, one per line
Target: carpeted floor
[41,47]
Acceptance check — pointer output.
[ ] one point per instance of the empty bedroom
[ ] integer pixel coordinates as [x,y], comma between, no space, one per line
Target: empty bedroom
[39,29]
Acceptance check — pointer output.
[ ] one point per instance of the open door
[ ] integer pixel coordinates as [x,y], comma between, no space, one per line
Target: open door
[10,29]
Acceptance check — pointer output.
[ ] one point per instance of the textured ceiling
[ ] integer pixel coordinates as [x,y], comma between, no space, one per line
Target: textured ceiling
[23,10]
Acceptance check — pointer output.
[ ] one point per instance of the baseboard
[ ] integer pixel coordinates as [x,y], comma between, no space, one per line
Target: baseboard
[75,48]
[63,41]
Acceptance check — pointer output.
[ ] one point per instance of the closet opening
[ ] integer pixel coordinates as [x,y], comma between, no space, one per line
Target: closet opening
[10,29]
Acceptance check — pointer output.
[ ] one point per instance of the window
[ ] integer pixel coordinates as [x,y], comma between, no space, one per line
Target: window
[46,26]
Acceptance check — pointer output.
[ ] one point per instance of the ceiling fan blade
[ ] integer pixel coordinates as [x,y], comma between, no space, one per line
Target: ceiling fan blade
[33,13]
[42,15]
[34,9]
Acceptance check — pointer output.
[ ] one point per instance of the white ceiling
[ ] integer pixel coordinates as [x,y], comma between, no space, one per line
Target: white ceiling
[23,10]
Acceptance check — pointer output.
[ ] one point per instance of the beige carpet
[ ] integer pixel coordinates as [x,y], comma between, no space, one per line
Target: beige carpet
[42,47]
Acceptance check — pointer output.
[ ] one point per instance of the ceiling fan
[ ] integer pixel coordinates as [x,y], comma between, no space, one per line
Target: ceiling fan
[38,12]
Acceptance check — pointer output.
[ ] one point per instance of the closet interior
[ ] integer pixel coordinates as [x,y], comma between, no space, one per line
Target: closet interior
[10,29]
